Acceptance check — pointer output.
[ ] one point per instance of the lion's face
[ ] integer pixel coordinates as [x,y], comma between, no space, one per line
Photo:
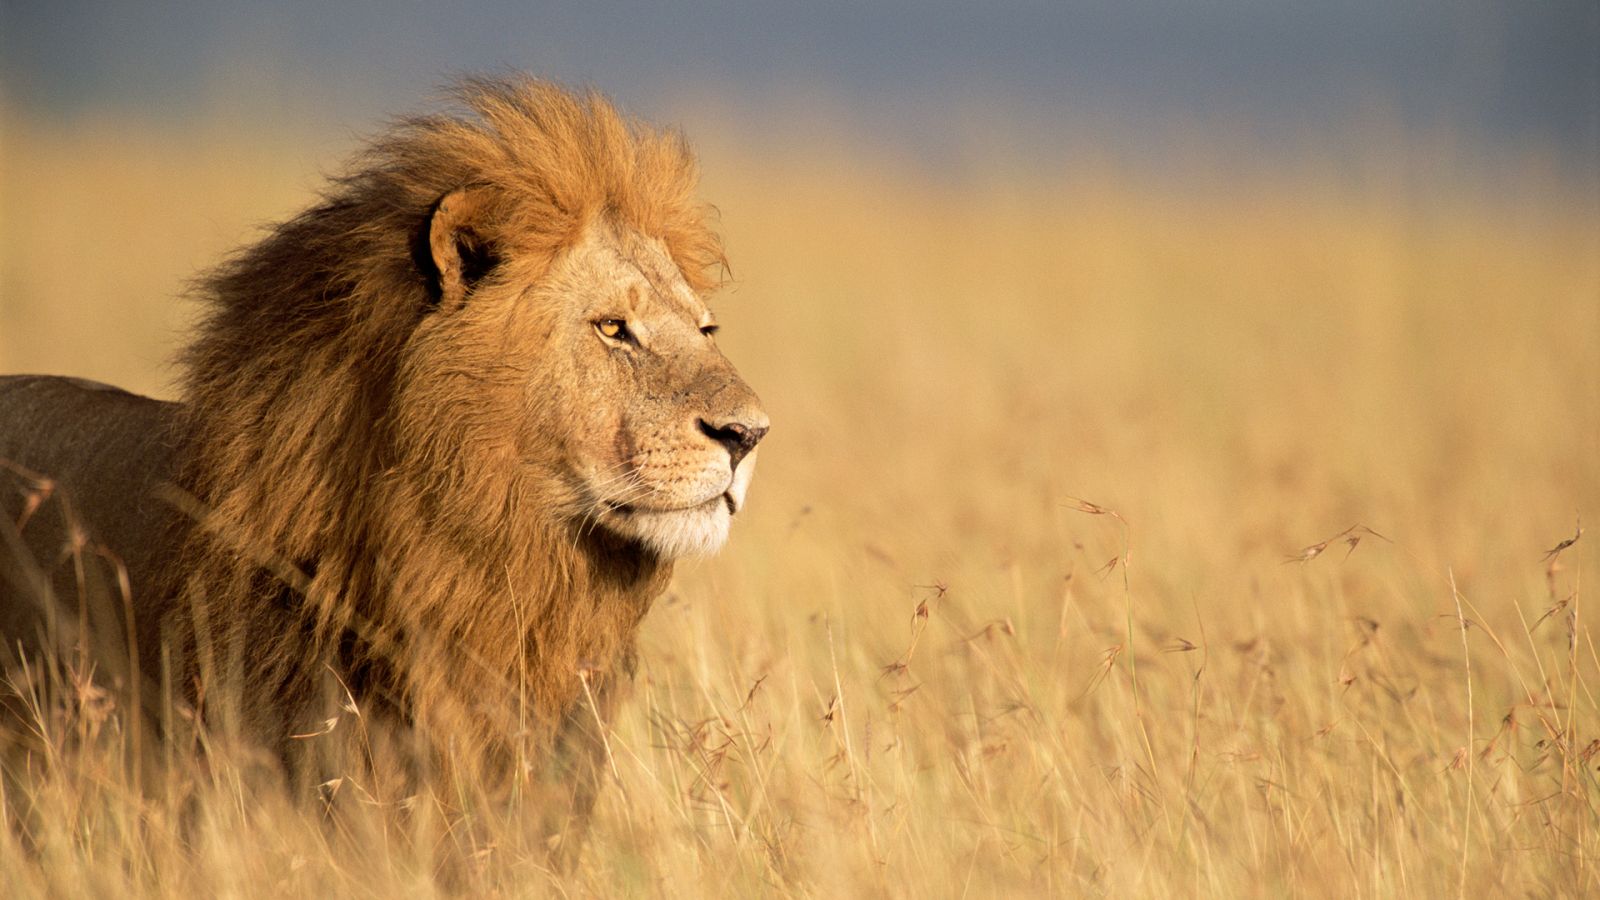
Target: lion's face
[654,432]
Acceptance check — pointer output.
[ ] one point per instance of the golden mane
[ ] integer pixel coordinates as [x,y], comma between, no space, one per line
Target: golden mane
[356,517]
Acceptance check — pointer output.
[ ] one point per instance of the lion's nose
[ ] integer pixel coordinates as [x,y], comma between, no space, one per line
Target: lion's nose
[739,437]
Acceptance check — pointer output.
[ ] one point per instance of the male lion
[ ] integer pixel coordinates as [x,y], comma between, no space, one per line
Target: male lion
[441,437]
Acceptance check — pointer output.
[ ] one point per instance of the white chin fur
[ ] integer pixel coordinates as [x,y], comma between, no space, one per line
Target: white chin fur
[696,532]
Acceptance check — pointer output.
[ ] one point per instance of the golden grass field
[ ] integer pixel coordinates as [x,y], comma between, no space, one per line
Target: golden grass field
[1027,600]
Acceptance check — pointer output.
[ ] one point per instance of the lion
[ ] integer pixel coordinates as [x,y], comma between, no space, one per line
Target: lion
[440,439]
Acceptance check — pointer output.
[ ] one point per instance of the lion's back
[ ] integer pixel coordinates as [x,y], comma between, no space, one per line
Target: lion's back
[80,465]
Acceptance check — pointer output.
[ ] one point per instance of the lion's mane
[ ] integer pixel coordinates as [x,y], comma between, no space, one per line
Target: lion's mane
[356,514]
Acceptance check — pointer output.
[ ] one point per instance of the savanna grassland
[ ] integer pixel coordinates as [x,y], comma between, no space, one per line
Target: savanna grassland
[1117,536]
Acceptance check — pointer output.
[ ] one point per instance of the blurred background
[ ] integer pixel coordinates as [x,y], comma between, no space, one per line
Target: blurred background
[1403,101]
[1248,273]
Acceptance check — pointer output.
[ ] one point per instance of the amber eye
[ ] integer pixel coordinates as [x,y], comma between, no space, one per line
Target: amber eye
[709,330]
[615,329]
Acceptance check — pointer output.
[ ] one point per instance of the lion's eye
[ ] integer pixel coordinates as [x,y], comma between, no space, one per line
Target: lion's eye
[709,330]
[614,329]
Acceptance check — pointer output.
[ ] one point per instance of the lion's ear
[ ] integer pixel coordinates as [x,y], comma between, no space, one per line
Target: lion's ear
[459,247]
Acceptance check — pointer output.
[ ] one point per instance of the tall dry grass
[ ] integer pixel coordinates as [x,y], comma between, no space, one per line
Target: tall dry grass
[1114,538]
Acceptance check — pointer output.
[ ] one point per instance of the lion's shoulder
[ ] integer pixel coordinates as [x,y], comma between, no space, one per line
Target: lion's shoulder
[73,419]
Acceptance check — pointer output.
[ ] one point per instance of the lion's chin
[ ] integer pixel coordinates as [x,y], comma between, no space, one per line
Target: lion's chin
[698,531]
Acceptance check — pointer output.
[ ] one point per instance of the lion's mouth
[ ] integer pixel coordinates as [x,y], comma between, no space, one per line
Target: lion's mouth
[632,509]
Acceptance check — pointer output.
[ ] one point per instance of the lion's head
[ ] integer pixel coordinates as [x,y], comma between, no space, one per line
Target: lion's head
[499,314]
[613,391]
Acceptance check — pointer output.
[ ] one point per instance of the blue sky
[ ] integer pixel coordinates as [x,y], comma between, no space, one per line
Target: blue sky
[1500,75]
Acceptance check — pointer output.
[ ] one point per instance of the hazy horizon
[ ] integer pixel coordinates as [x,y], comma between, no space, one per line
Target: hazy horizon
[1498,80]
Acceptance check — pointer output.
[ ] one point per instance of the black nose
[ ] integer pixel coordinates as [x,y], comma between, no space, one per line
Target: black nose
[738,437]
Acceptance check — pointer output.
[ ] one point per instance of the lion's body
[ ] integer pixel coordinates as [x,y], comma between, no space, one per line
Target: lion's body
[408,467]
[106,452]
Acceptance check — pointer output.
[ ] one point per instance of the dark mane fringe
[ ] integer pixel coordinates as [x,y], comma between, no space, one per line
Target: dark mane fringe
[325,517]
